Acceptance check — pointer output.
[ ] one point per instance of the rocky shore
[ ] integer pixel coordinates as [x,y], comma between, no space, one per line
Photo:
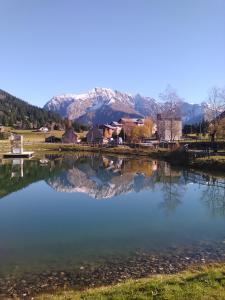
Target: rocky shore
[141,264]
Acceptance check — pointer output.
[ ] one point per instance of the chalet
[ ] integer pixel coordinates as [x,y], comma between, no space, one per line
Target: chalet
[117,127]
[115,124]
[111,129]
[169,129]
[69,137]
[108,131]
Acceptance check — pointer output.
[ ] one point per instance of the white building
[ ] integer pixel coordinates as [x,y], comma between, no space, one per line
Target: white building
[43,129]
[169,129]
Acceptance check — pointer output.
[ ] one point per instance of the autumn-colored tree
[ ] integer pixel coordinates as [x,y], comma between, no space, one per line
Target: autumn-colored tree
[140,132]
[149,124]
[219,128]
[127,131]
[135,134]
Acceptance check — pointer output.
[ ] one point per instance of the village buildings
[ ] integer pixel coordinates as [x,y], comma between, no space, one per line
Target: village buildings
[109,133]
[169,129]
[69,137]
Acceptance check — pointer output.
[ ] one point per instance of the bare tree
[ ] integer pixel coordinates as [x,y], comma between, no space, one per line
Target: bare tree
[171,107]
[171,110]
[215,108]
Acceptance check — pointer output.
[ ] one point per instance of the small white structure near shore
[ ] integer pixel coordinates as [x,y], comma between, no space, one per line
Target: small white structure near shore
[16,143]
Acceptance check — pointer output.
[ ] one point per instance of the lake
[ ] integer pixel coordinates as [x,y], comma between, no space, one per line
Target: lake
[72,211]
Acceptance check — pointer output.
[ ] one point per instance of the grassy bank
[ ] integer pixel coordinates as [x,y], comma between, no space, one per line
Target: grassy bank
[34,141]
[41,148]
[204,283]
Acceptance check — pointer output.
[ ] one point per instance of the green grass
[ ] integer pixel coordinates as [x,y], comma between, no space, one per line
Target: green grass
[37,137]
[203,284]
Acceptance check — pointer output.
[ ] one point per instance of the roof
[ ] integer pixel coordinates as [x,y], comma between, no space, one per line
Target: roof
[115,123]
[109,126]
[132,120]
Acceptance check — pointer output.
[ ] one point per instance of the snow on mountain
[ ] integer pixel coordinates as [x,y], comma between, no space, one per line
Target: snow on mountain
[103,105]
[97,181]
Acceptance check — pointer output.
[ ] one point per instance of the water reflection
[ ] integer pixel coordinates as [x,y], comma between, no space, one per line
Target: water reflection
[214,196]
[145,205]
[104,177]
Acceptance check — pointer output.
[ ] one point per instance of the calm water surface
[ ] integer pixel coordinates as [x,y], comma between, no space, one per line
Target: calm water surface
[72,210]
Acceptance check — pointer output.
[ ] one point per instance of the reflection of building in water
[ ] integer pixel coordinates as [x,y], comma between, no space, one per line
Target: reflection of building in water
[130,166]
[111,164]
[17,168]
[154,165]
[138,166]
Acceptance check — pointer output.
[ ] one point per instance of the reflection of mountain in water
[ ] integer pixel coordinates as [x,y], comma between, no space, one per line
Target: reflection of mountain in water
[104,177]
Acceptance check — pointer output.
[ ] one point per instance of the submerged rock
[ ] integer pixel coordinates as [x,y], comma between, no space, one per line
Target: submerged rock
[139,265]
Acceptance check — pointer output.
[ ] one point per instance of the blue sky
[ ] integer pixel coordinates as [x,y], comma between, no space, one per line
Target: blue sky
[49,47]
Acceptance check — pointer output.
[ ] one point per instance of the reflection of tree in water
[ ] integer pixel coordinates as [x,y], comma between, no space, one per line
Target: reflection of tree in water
[172,196]
[213,190]
[214,195]
[172,188]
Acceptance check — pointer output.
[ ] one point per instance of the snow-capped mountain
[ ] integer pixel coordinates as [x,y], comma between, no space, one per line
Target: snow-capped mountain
[103,105]
[97,106]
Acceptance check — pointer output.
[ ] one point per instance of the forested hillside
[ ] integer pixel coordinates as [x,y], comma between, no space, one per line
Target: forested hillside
[18,113]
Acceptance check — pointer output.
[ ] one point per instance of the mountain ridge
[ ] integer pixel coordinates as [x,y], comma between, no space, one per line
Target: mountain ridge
[104,105]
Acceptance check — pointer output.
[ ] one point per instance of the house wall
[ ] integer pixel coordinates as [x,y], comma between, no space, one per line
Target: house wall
[169,129]
[107,133]
[117,130]
[69,137]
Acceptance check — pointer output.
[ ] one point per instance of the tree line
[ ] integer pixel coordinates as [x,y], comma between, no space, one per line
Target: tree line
[16,112]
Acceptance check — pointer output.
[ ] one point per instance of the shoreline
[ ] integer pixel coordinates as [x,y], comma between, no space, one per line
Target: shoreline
[214,164]
[205,282]
[176,158]
[139,265]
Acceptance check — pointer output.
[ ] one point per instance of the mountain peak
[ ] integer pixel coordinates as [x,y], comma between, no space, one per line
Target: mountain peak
[103,105]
